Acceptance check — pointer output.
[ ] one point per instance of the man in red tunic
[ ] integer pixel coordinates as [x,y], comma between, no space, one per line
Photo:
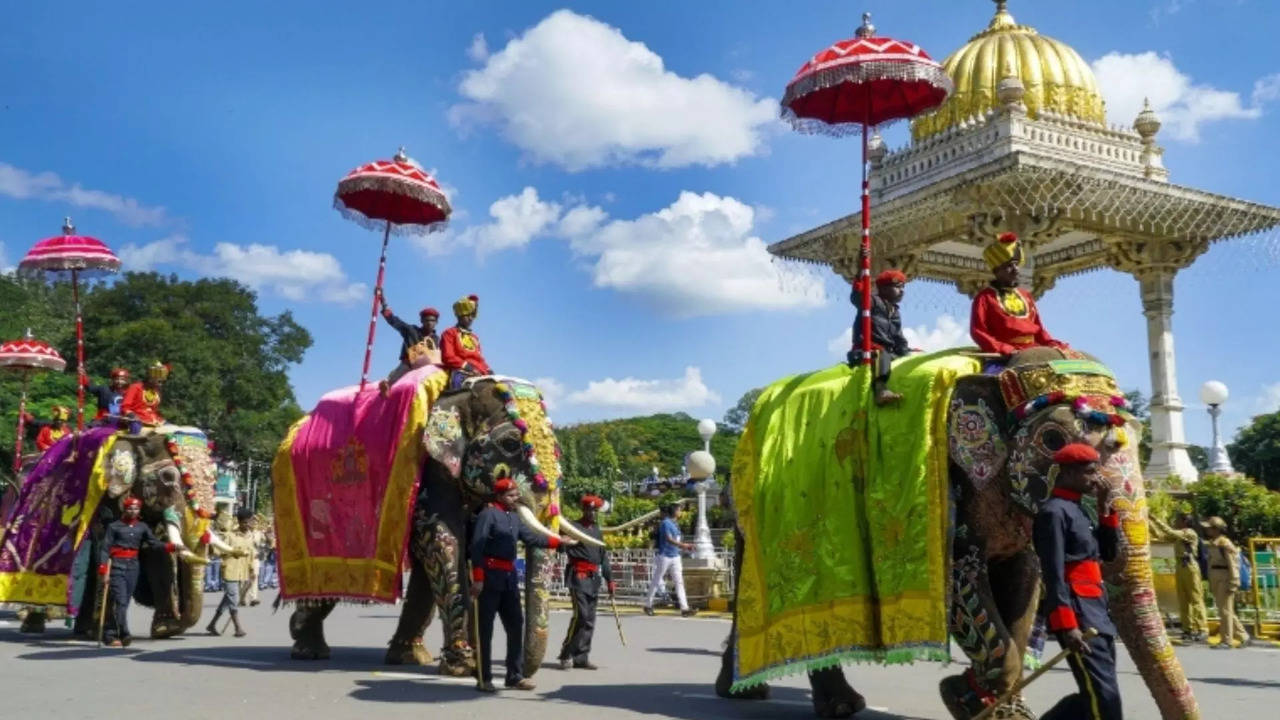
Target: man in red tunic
[53,432]
[1004,318]
[460,352]
[142,400]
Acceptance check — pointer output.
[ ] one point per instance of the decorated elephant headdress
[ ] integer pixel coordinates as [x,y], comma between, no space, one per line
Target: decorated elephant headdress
[1016,420]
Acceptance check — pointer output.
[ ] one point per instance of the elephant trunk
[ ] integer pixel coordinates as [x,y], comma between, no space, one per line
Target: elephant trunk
[1136,613]
[537,604]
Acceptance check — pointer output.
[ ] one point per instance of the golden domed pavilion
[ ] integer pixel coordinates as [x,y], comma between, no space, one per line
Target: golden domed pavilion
[1023,145]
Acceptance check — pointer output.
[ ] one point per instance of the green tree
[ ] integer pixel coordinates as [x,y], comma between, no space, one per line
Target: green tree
[1250,509]
[735,418]
[1256,450]
[229,362]
[606,464]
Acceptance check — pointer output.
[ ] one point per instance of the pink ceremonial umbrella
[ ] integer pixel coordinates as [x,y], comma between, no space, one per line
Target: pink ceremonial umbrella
[395,196]
[25,356]
[855,85]
[82,256]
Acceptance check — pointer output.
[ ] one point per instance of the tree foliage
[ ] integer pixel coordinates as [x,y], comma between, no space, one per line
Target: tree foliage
[640,444]
[1256,450]
[229,363]
[1250,509]
[735,418]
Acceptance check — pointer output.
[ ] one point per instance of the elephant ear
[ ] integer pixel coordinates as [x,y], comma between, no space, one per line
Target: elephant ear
[445,441]
[120,468]
[976,429]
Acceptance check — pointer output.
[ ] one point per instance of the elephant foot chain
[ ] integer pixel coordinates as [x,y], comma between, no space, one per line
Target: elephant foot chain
[412,652]
[964,700]
[458,661]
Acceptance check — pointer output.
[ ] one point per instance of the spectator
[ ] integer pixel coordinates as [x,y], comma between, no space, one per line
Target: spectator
[667,560]
[235,571]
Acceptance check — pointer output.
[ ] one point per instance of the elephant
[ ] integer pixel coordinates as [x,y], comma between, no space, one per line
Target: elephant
[171,472]
[472,437]
[1002,430]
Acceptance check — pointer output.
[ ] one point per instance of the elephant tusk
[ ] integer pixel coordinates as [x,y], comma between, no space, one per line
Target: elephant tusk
[216,543]
[640,520]
[175,536]
[531,521]
[576,533]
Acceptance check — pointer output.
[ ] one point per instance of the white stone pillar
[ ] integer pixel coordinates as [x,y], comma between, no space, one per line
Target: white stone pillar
[1168,435]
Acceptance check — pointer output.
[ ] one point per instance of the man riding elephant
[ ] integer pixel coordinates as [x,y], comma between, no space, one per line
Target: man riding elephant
[933,536]
[1004,318]
[460,352]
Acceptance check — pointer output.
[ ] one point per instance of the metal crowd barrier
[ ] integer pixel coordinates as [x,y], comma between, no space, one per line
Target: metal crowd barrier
[1266,579]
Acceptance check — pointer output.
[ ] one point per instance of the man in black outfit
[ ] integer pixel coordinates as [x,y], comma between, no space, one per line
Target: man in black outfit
[1069,548]
[492,552]
[587,565]
[412,335]
[109,396]
[122,541]
[888,343]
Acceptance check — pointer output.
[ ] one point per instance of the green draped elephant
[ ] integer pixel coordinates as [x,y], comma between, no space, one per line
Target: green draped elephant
[1002,432]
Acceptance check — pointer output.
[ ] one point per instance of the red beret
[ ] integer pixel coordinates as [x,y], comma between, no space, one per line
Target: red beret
[132,501]
[429,312]
[591,501]
[503,485]
[889,277]
[1007,237]
[1076,454]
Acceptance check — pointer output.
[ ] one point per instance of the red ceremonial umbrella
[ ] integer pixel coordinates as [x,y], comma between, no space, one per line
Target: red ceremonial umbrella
[396,196]
[82,256]
[857,84]
[26,356]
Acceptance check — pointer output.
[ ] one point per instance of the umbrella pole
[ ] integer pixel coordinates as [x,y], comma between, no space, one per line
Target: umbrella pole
[864,273]
[80,374]
[22,426]
[373,312]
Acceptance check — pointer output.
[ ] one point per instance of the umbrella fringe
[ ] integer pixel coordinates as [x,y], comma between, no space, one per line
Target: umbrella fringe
[399,229]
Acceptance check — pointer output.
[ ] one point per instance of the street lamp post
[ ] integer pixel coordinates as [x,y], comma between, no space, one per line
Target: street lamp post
[702,467]
[1214,394]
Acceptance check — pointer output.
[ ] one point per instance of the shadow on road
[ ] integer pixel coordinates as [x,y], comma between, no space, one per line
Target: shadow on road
[269,658]
[1237,682]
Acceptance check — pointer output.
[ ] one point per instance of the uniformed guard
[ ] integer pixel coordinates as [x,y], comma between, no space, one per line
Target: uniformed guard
[1186,543]
[587,565]
[122,541]
[1224,581]
[1069,548]
[492,552]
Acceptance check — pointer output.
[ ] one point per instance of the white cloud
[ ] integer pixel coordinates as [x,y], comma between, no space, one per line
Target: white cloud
[478,50]
[649,396]
[1167,8]
[553,391]
[292,274]
[697,256]
[1269,400]
[946,333]
[575,92]
[23,185]
[517,219]
[1182,106]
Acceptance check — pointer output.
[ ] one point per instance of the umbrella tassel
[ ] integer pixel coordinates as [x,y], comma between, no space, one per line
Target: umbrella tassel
[373,312]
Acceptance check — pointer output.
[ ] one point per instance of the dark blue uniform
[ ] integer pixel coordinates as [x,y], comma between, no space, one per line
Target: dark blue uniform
[122,542]
[492,552]
[1069,548]
[587,565]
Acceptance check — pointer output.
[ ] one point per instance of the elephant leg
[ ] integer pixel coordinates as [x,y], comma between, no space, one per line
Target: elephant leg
[442,566]
[724,680]
[33,621]
[306,627]
[833,697]
[161,579]
[981,630]
[415,614]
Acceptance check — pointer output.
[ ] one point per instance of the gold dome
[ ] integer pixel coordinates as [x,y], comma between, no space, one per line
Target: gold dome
[1053,75]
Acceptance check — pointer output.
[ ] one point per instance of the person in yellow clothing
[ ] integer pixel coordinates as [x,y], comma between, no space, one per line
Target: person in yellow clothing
[1224,581]
[1186,544]
[236,567]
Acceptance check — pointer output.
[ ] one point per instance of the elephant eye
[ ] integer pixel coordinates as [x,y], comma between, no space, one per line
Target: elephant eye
[509,444]
[1053,439]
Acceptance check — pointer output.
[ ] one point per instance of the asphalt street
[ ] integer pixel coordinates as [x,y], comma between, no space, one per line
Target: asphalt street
[666,670]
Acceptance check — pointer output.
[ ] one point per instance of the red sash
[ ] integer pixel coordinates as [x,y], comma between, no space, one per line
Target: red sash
[1085,578]
[123,553]
[493,563]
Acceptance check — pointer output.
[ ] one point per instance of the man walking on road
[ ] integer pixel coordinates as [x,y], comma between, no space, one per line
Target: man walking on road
[1186,543]
[1224,581]
[587,566]
[667,561]
[235,572]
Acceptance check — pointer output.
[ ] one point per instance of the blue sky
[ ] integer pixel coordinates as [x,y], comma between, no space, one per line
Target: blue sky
[616,169]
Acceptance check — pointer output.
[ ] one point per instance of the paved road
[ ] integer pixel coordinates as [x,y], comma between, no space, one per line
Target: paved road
[666,671]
